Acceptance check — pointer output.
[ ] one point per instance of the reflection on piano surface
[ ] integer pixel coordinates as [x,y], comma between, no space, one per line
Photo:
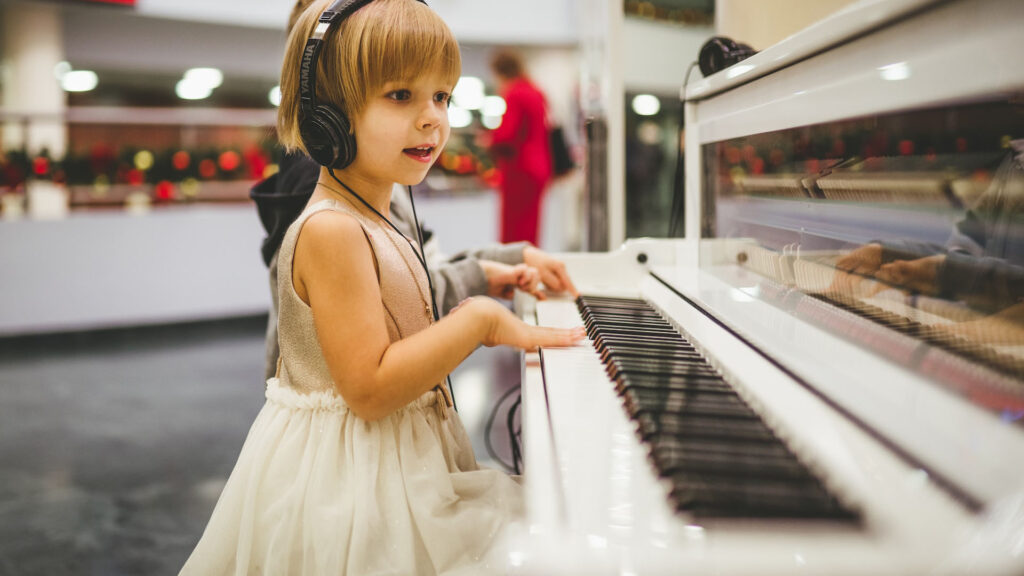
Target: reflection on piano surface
[826,375]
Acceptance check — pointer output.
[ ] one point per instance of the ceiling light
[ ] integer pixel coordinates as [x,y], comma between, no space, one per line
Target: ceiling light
[646,104]
[79,81]
[491,122]
[494,106]
[469,93]
[211,77]
[187,89]
[459,117]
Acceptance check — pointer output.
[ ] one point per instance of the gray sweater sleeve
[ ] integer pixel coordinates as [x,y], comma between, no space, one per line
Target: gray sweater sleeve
[456,281]
[504,253]
[462,277]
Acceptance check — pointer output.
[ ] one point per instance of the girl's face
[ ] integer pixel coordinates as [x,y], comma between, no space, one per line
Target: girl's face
[402,131]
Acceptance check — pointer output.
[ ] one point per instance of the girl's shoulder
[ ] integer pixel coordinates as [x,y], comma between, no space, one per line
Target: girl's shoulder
[332,249]
[325,226]
[330,228]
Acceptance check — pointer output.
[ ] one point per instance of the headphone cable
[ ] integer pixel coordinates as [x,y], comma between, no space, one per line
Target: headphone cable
[680,195]
[420,255]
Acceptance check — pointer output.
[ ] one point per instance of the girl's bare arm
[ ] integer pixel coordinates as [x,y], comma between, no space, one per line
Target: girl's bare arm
[334,272]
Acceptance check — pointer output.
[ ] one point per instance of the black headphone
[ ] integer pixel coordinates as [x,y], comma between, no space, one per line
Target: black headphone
[720,52]
[325,130]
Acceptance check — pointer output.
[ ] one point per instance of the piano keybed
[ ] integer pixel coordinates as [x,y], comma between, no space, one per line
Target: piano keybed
[720,459]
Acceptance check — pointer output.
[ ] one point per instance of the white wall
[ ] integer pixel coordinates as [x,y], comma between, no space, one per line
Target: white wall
[490,21]
[103,269]
[674,48]
[762,24]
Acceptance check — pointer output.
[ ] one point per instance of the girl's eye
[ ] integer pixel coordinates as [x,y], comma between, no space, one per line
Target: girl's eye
[442,97]
[400,95]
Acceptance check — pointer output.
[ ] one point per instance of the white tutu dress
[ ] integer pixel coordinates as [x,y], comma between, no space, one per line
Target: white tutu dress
[317,490]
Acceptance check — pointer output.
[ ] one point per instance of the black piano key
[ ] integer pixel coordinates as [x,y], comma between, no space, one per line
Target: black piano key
[651,426]
[602,344]
[637,333]
[754,462]
[616,371]
[717,497]
[639,400]
[662,365]
[611,301]
[701,384]
[642,342]
[645,353]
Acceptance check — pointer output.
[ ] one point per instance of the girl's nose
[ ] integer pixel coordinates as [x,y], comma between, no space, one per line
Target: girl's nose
[430,117]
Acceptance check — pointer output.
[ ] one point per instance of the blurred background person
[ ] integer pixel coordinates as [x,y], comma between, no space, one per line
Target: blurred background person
[521,149]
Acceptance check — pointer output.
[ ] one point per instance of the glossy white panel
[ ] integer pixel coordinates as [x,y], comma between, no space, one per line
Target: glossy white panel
[856,19]
[955,51]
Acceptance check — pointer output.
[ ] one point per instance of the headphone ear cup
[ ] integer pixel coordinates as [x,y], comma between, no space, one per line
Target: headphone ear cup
[326,136]
[720,52]
[336,122]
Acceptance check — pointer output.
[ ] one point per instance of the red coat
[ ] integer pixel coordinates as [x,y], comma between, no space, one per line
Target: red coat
[521,141]
[522,152]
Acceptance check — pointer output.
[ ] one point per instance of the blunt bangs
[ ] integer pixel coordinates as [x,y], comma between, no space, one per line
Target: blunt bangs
[401,40]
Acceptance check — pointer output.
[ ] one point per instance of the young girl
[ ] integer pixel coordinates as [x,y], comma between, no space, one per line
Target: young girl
[357,464]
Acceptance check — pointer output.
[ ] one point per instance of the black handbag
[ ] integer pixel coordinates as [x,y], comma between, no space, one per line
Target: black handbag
[561,160]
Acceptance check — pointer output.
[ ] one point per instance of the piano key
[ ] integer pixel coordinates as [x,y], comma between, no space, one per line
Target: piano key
[752,464]
[684,402]
[718,497]
[651,426]
[615,371]
[645,353]
[701,384]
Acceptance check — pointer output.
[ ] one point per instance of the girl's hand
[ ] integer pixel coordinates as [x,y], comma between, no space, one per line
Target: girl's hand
[503,328]
[503,279]
[552,270]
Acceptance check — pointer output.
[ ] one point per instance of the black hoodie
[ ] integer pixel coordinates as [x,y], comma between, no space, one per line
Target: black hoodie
[281,198]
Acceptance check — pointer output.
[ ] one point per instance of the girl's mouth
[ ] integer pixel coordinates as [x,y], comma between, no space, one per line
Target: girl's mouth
[421,154]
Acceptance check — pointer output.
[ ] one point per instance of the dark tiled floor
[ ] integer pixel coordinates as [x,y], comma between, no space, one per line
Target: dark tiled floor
[114,446]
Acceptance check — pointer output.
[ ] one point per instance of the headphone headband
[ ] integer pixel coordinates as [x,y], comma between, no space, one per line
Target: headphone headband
[336,12]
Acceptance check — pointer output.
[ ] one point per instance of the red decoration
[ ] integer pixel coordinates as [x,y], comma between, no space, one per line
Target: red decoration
[135,177]
[256,160]
[41,166]
[181,160]
[207,169]
[164,190]
[906,147]
[757,165]
[229,161]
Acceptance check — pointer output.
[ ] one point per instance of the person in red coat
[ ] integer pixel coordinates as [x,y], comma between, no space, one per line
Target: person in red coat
[521,149]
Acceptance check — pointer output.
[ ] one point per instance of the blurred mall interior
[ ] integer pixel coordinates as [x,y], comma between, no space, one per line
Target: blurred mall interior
[133,297]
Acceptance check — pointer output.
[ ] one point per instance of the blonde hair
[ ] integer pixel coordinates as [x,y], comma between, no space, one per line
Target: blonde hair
[384,41]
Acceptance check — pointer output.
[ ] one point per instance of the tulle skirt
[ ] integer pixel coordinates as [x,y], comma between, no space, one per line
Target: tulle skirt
[317,490]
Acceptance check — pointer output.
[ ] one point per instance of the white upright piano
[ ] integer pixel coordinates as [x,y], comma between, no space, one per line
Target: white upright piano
[826,375]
